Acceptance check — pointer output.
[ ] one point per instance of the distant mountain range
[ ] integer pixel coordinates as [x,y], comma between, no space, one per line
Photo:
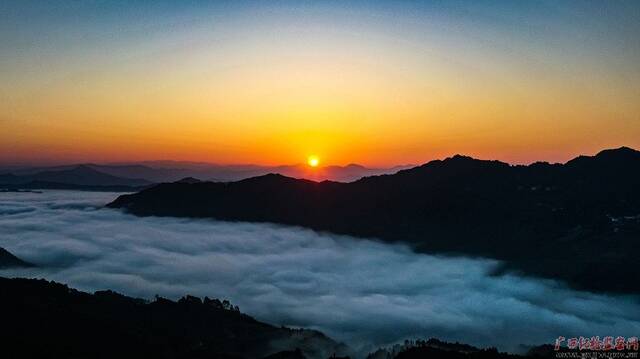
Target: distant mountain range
[77,177]
[170,171]
[129,177]
[578,222]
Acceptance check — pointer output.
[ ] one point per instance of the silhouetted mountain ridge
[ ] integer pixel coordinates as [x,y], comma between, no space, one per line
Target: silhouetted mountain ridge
[171,171]
[42,319]
[189,180]
[577,222]
[81,176]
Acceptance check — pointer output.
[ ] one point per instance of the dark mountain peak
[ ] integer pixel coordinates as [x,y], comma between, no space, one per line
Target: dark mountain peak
[456,165]
[459,157]
[8,260]
[464,160]
[268,177]
[619,153]
[85,168]
[189,180]
[274,179]
[610,158]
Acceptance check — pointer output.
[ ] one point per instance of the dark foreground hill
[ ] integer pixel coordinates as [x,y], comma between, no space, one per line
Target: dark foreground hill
[8,260]
[578,222]
[43,319]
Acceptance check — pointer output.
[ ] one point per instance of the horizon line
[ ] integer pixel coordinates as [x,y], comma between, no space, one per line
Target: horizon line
[299,164]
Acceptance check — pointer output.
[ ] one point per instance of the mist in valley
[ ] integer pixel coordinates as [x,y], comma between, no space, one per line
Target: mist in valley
[363,292]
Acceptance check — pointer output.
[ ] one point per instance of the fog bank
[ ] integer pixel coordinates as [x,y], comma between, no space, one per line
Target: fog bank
[358,291]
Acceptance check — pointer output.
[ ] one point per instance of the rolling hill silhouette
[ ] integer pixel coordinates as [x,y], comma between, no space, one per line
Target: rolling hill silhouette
[577,222]
[42,319]
[171,171]
[78,177]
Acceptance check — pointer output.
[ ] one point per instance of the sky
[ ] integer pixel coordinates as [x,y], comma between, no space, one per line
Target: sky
[375,83]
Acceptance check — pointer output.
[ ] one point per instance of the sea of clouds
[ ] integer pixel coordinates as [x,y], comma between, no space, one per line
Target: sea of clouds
[359,291]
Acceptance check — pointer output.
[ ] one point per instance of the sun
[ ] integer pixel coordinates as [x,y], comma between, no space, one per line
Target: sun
[313,161]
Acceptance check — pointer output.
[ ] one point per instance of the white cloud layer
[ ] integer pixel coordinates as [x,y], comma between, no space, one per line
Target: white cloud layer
[359,291]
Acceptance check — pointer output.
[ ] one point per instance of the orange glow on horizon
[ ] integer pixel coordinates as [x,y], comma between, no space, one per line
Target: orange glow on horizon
[374,90]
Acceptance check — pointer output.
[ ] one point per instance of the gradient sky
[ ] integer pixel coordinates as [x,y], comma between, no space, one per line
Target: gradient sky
[374,83]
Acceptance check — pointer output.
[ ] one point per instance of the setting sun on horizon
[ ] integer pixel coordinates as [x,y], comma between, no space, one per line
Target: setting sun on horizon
[313,161]
[320,179]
